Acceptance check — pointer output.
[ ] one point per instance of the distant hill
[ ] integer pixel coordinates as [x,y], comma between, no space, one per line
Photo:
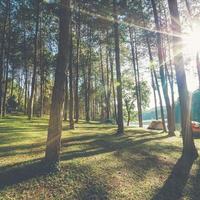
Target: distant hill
[150,114]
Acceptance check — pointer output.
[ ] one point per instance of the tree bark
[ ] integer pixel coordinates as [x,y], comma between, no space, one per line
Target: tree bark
[157,85]
[120,121]
[25,65]
[104,97]
[71,93]
[154,94]
[128,113]
[6,87]
[171,81]
[55,121]
[107,80]
[136,76]
[41,64]
[7,61]
[188,7]
[12,81]
[85,86]
[89,79]
[112,84]
[139,86]
[35,63]
[26,91]
[78,35]
[66,98]
[2,56]
[189,149]
[171,123]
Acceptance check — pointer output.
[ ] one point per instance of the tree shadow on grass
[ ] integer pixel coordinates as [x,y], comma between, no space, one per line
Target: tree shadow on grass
[24,148]
[93,191]
[194,185]
[174,185]
[89,185]
[22,172]
[86,184]
[94,188]
[101,144]
[95,144]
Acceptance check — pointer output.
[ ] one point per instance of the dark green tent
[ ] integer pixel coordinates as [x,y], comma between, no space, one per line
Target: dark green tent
[195,108]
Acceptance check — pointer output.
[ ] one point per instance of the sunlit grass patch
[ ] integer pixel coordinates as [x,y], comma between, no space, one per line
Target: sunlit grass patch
[95,163]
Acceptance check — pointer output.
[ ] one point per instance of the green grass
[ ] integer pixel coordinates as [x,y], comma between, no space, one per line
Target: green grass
[95,164]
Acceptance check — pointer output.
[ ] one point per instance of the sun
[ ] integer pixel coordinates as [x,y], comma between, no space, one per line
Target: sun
[192,41]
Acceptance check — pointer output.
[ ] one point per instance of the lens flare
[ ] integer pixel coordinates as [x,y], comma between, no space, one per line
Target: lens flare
[192,41]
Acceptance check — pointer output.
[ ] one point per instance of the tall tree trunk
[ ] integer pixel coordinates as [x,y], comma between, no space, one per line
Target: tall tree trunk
[25,65]
[171,123]
[7,60]
[139,86]
[161,104]
[95,103]
[169,76]
[89,90]
[6,87]
[185,103]
[41,112]
[55,121]
[129,118]
[78,35]
[104,97]
[151,70]
[120,121]
[188,7]
[41,64]
[112,84]
[85,87]
[66,98]
[93,109]
[154,94]
[108,89]
[89,79]
[2,55]
[171,81]
[107,79]
[171,84]
[12,81]
[26,90]
[71,93]
[156,84]
[128,113]
[35,63]
[136,76]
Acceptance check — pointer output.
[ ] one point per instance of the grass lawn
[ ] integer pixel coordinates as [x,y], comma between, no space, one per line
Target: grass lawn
[95,164]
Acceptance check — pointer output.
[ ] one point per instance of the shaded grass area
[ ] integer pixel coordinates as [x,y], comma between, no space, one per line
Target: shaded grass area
[95,164]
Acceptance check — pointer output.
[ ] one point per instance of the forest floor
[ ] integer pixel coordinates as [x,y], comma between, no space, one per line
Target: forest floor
[95,164]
